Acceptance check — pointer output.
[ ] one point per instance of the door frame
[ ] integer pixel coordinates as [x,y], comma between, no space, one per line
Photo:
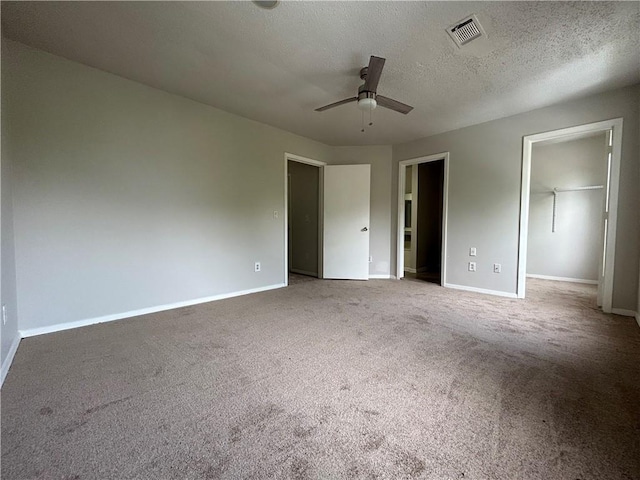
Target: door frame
[402,172]
[315,163]
[615,125]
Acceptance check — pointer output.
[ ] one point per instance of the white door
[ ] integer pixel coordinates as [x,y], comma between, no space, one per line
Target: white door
[605,219]
[346,221]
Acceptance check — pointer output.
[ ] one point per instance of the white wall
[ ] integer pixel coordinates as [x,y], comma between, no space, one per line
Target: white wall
[379,157]
[9,331]
[484,189]
[574,250]
[127,197]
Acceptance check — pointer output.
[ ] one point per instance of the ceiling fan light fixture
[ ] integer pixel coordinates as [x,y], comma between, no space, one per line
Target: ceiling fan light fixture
[367,103]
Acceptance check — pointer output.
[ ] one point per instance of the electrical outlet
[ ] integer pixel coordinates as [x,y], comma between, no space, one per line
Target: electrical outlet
[4,314]
[370,259]
[257,267]
[472,266]
[497,268]
[472,252]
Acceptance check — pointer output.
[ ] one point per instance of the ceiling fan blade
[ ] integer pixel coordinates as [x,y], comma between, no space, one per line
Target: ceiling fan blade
[393,104]
[373,73]
[336,104]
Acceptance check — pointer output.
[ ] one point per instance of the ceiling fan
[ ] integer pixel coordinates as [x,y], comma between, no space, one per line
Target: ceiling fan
[368,98]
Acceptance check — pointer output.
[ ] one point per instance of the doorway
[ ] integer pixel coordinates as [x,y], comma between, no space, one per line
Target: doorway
[578,203]
[342,220]
[303,217]
[422,218]
[569,178]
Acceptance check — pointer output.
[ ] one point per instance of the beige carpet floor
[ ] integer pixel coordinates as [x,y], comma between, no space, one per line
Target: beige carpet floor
[334,379]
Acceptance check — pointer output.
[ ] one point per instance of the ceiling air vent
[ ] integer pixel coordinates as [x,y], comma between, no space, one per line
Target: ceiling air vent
[465,31]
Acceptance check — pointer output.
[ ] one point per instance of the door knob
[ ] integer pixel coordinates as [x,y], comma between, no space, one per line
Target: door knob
[365,229]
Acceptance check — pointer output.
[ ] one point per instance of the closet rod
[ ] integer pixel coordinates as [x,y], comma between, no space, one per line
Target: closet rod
[561,190]
[576,189]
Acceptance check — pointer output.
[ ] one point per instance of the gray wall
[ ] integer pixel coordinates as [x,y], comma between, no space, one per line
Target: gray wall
[127,197]
[484,189]
[303,217]
[379,157]
[574,250]
[9,331]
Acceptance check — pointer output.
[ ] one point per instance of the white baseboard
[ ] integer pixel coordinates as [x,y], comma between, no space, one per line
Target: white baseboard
[563,279]
[30,332]
[303,272]
[376,275]
[624,312]
[7,362]
[409,269]
[480,290]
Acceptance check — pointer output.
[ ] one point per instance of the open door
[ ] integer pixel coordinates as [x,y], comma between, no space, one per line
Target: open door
[602,264]
[346,221]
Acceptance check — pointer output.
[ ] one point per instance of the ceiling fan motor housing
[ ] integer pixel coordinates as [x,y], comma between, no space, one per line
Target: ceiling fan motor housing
[362,91]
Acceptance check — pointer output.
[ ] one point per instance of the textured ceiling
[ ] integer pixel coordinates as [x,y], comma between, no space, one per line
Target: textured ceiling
[276,66]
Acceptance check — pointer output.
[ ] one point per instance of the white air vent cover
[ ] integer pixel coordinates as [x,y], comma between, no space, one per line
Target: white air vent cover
[465,30]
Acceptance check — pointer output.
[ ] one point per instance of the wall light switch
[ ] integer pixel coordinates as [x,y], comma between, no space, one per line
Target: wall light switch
[472,252]
[472,266]
[497,268]
[275,214]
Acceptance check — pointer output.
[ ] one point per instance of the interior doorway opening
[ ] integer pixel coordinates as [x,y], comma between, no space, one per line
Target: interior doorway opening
[422,218]
[575,195]
[567,210]
[303,235]
[332,219]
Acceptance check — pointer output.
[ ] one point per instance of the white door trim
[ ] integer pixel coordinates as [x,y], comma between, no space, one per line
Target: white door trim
[445,211]
[610,252]
[315,163]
